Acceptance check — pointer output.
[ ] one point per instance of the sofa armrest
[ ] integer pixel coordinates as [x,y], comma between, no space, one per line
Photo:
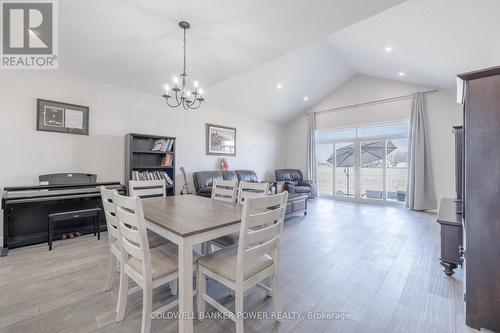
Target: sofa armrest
[272,185]
[309,183]
[289,186]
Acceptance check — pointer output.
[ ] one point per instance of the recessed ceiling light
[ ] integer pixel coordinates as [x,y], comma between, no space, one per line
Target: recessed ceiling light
[402,74]
[305,99]
[279,86]
[388,49]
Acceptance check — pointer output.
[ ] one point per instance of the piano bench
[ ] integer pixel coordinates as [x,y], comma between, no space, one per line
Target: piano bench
[75,214]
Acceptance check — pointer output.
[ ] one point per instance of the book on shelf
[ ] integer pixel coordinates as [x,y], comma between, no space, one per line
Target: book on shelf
[167,160]
[163,145]
[152,175]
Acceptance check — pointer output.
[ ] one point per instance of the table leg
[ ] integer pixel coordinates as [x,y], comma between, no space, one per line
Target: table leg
[186,286]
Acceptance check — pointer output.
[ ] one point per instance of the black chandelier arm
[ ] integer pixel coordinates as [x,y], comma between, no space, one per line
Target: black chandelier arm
[195,107]
[167,97]
[172,105]
[193,101]
[186,103]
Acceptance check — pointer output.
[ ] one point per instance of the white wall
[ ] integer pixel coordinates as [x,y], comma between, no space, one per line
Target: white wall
[442,114]
[114,111]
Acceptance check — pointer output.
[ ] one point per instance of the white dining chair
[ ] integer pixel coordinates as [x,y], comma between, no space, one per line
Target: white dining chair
[255,259]
[113,237]
[113,234]
[245,190]
[147,188]
[224,190]
[147,268]
[251,190]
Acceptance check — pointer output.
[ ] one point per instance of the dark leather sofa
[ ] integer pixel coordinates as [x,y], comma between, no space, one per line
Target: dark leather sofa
[294,182]
[203,180]
[247,176]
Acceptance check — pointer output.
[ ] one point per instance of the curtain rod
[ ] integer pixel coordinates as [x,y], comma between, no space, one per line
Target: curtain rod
[379,101]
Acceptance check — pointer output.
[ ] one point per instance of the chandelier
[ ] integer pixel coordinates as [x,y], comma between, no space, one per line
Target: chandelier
[179,94]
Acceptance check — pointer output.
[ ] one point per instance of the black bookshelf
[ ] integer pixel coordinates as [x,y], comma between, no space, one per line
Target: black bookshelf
[140,157]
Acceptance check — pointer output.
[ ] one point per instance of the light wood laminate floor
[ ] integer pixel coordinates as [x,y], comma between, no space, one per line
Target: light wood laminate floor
[379,264]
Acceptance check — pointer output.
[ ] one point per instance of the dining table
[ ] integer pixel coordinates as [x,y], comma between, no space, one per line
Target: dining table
[190,220]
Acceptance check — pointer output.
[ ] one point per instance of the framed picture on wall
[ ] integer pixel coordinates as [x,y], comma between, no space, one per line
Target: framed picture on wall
[62,117]
[221,140]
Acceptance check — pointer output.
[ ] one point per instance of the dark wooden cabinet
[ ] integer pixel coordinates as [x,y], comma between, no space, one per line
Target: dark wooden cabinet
[481,206]
[451,235]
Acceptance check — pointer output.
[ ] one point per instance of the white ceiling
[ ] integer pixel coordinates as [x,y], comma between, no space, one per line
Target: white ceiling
[138,44]
[239,50]
[432,40]
[313,71]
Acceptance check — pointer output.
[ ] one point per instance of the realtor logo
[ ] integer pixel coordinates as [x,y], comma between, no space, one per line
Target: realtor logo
[29,34]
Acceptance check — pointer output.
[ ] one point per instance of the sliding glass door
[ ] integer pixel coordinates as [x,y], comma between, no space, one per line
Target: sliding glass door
[344,169]
[372,169]
[324,169]
[363,164]
[397,164]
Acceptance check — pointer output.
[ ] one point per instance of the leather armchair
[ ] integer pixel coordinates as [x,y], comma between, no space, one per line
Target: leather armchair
[203,180]
[294,182]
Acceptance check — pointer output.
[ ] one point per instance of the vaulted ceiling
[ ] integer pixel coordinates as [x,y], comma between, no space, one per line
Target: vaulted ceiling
[138,44]
[240,50]
[432,41]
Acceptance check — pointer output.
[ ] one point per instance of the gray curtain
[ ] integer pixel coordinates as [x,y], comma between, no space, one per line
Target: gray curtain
[421,194]
[311,151]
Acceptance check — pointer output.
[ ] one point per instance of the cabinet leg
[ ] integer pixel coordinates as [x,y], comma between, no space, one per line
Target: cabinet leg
[448,268]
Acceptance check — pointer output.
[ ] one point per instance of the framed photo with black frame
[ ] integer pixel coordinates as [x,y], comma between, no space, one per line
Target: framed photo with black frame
[221,140]
[61,117]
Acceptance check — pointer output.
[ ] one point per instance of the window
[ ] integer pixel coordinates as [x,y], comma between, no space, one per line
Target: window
[364,163]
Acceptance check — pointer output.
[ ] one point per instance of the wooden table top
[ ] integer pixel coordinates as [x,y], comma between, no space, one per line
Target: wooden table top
[187,215]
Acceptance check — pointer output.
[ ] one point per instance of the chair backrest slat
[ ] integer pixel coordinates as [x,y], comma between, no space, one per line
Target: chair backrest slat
[110,214]
[261,227]
[131,249]
[133,236]
[127,217]
[224,190]
[264,234]
[252,190]
[259,204]
[255,252]
[264,217]
[147,188]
